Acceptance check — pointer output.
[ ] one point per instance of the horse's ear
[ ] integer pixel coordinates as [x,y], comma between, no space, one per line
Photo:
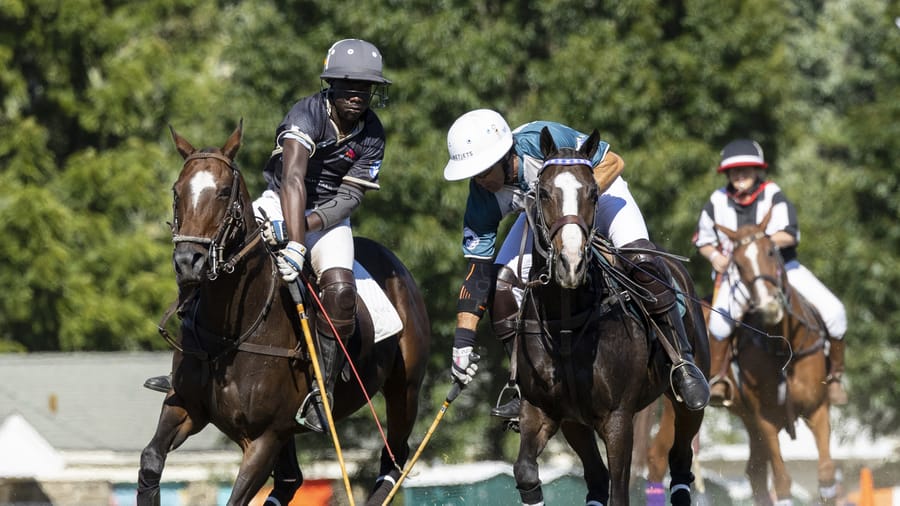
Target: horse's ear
[233,143]
[548,146]
[181,144]
[765,220]
[731,234]
[589,148]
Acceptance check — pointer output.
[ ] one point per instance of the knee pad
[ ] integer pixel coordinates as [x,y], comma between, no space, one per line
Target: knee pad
[652,273]
[338,289]
[505,309]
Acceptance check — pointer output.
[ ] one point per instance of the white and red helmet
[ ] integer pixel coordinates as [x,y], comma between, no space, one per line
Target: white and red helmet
[742,153]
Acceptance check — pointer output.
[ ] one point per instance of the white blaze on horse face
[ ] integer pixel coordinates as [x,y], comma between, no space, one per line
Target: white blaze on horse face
[767,301]
[201,181]
[572,238]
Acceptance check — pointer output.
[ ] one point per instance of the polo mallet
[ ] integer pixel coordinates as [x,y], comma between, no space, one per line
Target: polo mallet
[454,392]
[326,404]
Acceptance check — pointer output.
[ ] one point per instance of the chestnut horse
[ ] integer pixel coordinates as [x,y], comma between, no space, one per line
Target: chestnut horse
[779,349]
[584,362]
[242,363]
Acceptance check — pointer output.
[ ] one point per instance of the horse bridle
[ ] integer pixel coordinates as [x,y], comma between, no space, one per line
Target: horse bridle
[232,222]
[544,234]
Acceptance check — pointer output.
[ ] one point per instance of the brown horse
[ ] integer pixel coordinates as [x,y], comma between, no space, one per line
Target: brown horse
[242,364]
[780,353]
[584,361]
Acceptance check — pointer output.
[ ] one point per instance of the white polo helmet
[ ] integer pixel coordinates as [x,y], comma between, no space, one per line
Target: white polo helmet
[477,140]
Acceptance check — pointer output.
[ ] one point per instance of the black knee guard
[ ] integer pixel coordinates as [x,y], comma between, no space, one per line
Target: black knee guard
[505,309]
[338,293]
[651,273]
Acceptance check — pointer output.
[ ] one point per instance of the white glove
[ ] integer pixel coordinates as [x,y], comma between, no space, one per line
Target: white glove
[290,260]
[274,232]
[464,365]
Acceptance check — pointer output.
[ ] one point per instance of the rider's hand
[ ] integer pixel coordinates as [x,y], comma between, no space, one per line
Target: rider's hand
[290,260]
[720,262]
[464,365]
[274,233]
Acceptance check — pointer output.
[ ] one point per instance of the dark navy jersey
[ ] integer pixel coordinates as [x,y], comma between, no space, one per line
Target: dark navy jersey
[356,158]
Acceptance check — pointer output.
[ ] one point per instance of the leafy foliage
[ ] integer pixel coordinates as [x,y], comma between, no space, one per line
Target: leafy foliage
[87,162]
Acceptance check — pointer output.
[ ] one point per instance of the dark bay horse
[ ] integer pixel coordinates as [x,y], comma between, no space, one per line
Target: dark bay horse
[242,364]
[584,361]
[781,363]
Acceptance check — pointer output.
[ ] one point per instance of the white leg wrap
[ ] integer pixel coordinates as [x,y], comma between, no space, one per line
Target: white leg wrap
[386,477]
[680,486]
[785,502]
[593,503]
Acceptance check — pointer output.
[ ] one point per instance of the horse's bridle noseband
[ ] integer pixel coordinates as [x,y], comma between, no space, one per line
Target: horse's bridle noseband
[232,222]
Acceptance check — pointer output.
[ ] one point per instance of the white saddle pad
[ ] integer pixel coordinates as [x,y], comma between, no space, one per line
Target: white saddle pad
[384,315]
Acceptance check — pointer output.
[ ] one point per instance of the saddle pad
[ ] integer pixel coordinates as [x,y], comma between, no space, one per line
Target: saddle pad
[384,316]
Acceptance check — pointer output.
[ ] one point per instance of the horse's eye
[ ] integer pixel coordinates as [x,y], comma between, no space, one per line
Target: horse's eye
[593,194]
[543,194]
[225,193]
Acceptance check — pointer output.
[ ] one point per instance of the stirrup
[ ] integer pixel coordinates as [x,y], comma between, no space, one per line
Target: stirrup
[728,399]
[514,387]
[313,396]
[691,372]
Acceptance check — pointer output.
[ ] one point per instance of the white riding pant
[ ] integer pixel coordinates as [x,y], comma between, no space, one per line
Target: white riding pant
[732,298]
[327,248]
[616,216]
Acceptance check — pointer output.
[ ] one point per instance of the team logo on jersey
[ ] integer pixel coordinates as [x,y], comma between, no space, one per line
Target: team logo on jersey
[350,154]
[470,239]
[374,169]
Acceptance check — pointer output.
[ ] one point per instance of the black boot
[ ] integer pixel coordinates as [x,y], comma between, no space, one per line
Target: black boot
[688,380]
[509,410]
[159,383]
[651,272]
[312,412]
[339,299]
[504,312]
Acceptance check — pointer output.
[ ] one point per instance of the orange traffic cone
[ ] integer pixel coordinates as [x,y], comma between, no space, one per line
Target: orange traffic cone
[866,488]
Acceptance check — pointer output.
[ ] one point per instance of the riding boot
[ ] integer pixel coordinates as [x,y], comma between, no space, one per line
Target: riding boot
[652,274]
[338,294]
[159,383]
[836,393]
[720,386]
[504,314]
[688,380]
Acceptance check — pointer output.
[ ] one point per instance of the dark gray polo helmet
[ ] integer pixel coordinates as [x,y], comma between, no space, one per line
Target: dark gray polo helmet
[354,59]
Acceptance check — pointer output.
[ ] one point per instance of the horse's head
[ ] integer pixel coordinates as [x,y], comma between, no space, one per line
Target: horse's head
[209,214]
[760,267]
[566,196]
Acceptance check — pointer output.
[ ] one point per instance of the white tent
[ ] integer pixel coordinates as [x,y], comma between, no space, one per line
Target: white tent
[26,453]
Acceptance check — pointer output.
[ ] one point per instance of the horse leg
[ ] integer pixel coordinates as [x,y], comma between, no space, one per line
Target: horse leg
[657,452]
[596,475]
[402,405]
[757,464]
[174,427]
[681,454]
[257,463]
[780,477]
[820,425]
[535,429]
[287,474]
[618,433]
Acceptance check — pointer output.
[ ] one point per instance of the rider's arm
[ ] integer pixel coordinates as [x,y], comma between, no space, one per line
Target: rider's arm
[474,295]
[783,239]
[347,199]
[293,188]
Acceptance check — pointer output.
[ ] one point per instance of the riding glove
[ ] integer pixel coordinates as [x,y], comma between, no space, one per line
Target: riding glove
[290,260]
[464,365]
[274,233]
